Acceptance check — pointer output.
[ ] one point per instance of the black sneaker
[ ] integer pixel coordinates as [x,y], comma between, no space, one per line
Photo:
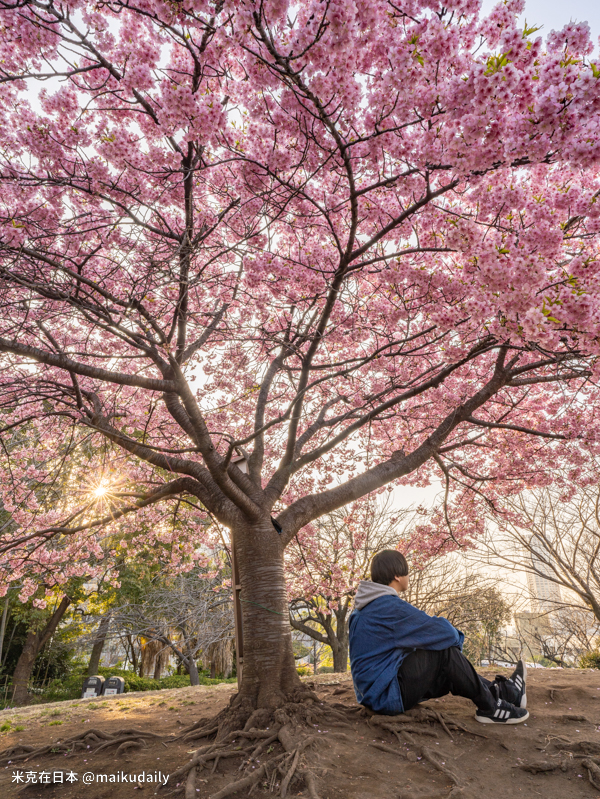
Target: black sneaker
[503,713]
[513,689]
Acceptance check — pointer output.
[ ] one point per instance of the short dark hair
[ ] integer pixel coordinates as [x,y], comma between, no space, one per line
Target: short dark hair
[388,564]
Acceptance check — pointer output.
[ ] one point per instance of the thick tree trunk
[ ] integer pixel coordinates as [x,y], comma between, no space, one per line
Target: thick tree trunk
[269,674]
[160,663]
[34,642]
[98,646]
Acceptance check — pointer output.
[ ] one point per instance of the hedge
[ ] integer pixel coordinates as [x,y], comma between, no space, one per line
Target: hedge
[70,687]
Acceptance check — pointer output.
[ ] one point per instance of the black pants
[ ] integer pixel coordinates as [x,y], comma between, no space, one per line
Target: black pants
[425,674]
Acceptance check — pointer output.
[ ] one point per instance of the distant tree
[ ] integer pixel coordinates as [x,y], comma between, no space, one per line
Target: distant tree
[552,534]
[186,614]
[98,644]
[41,626]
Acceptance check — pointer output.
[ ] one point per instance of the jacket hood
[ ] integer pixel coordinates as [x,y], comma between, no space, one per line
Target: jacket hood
[368,591]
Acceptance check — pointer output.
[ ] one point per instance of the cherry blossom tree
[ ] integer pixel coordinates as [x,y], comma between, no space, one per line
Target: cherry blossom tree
[354,243]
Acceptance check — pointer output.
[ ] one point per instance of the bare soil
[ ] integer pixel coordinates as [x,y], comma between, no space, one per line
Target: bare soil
[552,756]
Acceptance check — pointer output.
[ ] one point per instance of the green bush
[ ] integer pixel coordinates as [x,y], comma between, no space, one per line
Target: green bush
[591,660]
[70,687]
[303,671]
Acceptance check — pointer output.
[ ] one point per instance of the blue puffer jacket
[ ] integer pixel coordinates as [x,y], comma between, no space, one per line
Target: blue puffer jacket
[383,630]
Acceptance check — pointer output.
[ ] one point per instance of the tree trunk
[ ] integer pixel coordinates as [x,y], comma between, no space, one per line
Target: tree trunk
[193,671]
[161,660]
[269,674]
[98,646]
[340,657]
[33,644]
[133,658]
[340,651]
[3,623]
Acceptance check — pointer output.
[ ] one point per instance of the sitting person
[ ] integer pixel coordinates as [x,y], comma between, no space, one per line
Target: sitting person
[400,656]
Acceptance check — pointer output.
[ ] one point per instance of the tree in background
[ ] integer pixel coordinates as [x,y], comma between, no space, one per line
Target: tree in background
[552,533]
[186,614]
[99,640]
[41,625]
[131,575]
[353,242]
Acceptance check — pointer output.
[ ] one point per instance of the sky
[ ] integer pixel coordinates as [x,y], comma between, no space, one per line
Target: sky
[555,14]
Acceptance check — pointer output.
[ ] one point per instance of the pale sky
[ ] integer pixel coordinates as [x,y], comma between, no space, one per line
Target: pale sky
[555,14]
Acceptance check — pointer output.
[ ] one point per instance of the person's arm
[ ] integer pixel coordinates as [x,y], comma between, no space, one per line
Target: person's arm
[417,630]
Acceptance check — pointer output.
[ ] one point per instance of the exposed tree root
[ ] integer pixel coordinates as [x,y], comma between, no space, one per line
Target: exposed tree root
[593,771]
[284,731]
[443,723]
[140,743]
[543,766]
[190,784]
[272,745]
[404,733]
[93,739]
[195,736]
[240,785]
[311,783]
[433,759]
[420,715]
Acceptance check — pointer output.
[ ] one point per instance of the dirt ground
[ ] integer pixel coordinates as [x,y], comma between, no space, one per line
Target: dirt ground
[563,732]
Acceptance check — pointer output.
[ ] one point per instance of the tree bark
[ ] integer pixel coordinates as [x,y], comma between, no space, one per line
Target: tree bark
[134,661]
[34,642]
[339,639]
[269,673]
[3,623]
[98,646]
[340,656]
[193,671]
